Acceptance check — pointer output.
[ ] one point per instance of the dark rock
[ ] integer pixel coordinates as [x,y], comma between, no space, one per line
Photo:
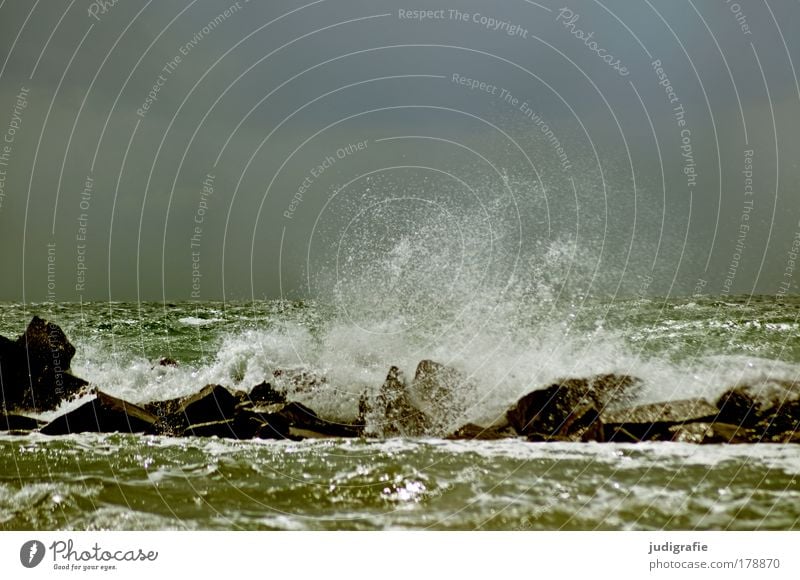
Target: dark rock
[619,434]
[282,419]
[167,362]
[103,414]
[168,421]
[653,421]
[13,422]
[393,413]
[770,408]
[273,427]
[569,409]
[244,426]
[472,431]
[34,368]
[212,403]
[47,346]
[222,429]
[264,394]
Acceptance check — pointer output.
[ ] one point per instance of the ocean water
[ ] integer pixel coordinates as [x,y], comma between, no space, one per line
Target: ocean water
[679,347]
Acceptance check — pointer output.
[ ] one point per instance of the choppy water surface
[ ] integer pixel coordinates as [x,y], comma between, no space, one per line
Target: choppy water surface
[94,482]
[680,348]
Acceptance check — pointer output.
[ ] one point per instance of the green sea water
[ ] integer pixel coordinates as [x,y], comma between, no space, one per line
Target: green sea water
[678,347]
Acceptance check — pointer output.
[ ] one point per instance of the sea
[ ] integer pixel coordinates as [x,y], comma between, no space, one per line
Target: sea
[679,347]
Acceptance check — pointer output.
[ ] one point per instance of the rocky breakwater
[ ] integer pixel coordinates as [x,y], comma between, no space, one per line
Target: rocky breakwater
[601,408]
[34,374]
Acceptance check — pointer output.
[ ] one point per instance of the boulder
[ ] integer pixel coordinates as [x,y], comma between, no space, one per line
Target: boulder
[570,409]
[440,392]
[211,403]
[392,413]
[103,414]
[13,422]
[243,426]
[295,420]
[35,368]
[771,407]
[264,394]
[653,421]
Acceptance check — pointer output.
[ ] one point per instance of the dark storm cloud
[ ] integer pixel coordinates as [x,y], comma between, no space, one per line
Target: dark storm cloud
[166,148]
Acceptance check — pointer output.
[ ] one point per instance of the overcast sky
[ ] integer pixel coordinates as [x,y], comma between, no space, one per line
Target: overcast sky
[216,149]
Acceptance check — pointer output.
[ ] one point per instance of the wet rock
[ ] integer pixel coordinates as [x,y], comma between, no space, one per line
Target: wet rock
[471,431]
[103,414]
[440,393]
[264,394]
[393,413]
[295,420]
[570,409]
[167,362]
[653,421]
[789,437]
[243,426]
[35,368]
[706,433]
[14,422]
[770,408]
[212,403]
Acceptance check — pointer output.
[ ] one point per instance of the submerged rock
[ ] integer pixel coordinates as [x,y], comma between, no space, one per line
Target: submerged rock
[103,414]
[35,368]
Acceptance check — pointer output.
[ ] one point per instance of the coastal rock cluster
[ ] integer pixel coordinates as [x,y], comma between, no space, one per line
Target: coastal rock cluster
[34,376]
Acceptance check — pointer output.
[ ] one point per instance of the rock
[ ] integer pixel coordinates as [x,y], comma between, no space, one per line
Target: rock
[569,409]
[264,394]
[705,433]
[212,403]
[167,362]
[653,421]
[13,422]
[47,346]
[292,419]
[475,432]
[244,426]
[770,408]
[393,413]
[222,429]
[103,414]
[789,437]
[35,368]
[440,392]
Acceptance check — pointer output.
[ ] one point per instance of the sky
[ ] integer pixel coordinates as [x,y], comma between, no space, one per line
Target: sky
[207,150]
